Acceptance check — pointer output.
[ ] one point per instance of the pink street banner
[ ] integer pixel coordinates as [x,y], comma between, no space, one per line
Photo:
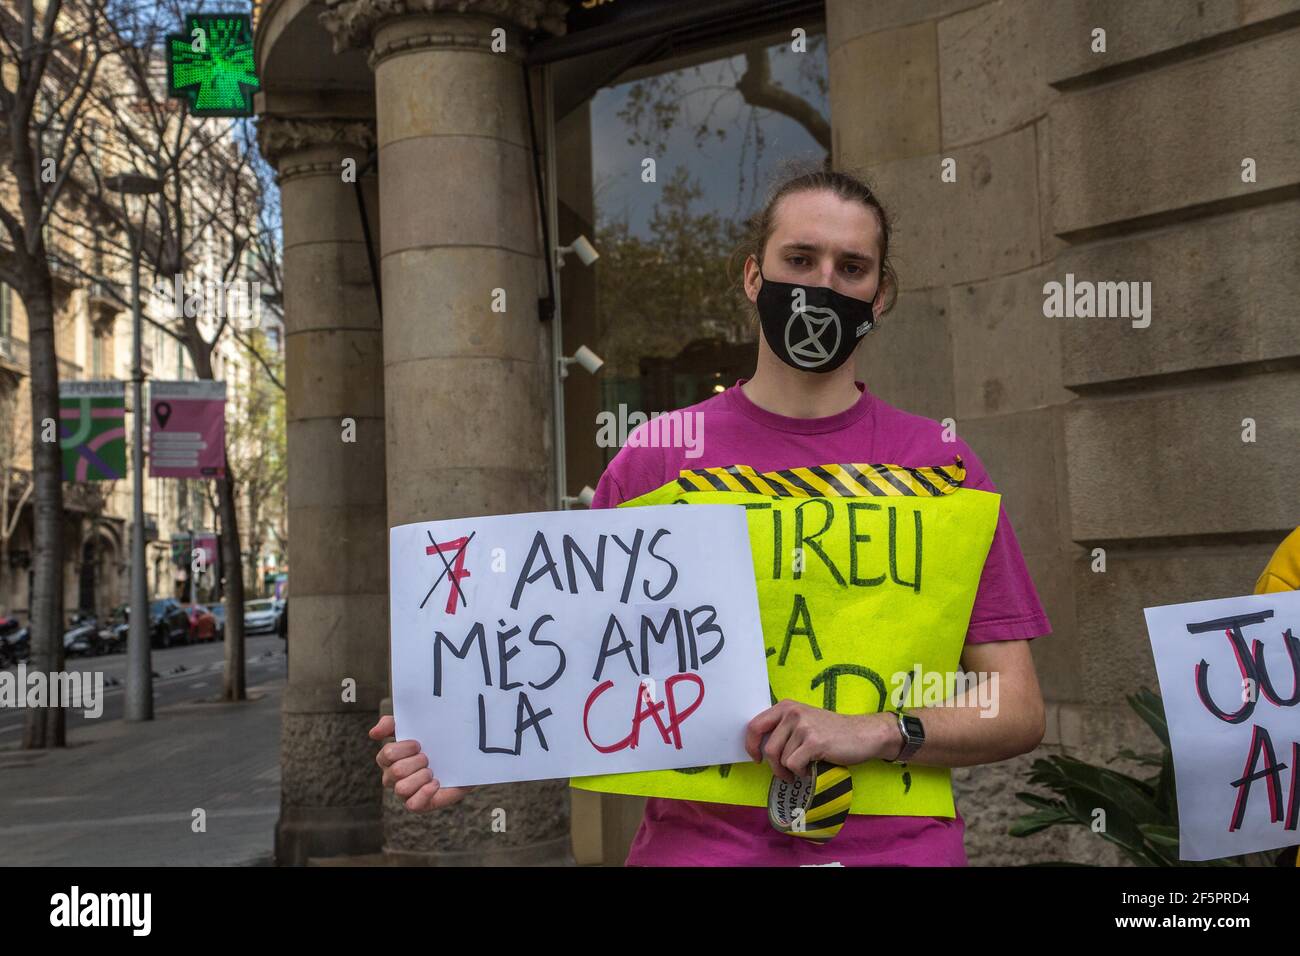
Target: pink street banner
[187,429]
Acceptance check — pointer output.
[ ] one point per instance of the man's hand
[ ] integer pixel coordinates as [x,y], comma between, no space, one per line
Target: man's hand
[406,770]
[797,734]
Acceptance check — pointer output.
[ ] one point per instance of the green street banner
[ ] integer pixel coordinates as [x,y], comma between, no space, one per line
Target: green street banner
[92,430]
[181,546]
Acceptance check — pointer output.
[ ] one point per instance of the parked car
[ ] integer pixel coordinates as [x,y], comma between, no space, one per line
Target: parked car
[203,626]
[168,623]
[264,616]
[218,612]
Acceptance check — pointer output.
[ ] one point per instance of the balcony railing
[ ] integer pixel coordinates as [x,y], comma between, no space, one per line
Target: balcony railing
[63,272]
[106,293]
[14,354]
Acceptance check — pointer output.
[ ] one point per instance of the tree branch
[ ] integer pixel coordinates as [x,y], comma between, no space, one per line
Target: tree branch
[757,89]
[252,350]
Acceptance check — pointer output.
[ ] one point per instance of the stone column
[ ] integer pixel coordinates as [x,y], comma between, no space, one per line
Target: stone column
[467,389]
[338,666]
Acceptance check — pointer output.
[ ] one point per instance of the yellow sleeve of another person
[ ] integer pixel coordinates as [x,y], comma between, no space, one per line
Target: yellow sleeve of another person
[1282,573]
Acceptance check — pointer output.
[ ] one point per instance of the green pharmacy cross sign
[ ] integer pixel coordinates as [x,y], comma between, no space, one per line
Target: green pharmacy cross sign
[211,65]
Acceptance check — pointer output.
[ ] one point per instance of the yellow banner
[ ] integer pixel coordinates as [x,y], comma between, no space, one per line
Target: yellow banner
[864,573]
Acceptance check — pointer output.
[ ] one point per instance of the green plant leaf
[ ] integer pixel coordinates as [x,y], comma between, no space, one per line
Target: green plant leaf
[1041,802]
[1151,709]
[1148,760]
[1061,863]
[1032,823]
[1141,814]
[1126,801]
[1160,834]
[1166,789]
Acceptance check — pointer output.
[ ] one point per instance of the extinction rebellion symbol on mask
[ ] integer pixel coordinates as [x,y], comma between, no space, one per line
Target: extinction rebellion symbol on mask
[812,335]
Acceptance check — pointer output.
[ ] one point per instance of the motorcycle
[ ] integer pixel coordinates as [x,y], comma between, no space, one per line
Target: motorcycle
[82,638]
[113,638]
[113,635]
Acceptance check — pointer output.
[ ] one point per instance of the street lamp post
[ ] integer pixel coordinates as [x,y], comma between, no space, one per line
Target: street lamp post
[139,672]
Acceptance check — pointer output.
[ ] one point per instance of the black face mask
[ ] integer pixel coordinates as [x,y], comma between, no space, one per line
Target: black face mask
[821,336]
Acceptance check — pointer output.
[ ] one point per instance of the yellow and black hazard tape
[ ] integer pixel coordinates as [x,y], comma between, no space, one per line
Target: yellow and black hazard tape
[851,480]
[813,807]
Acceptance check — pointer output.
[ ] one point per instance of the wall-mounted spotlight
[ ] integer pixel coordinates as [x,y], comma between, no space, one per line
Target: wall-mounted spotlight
[585,497]
[584,357]
[585,251]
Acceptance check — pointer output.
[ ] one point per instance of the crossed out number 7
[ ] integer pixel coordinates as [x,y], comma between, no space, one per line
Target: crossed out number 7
[453,571]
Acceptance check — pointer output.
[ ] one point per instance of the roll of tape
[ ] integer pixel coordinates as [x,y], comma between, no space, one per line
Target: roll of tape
[813,807]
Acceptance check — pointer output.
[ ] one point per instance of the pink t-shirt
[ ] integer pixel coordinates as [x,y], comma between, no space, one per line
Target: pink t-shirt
[736,431]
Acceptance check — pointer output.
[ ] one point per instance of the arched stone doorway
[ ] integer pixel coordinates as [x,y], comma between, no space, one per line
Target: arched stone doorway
[99,585]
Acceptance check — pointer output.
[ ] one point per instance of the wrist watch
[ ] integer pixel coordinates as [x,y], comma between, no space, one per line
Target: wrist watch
[912,731]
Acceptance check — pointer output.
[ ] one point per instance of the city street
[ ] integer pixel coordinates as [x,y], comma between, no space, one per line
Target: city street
[938,304]
[126,794]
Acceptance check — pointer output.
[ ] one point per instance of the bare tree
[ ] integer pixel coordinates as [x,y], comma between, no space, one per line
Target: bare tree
[260,434]
[208,216]
[266,264]
[49,58]
[257,442]
[12,479]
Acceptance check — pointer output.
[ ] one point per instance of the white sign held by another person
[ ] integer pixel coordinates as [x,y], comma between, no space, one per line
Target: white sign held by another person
[558,644]
[1230,679]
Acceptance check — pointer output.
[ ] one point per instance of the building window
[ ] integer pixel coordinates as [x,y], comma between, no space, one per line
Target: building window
[715,154]
[97,353]
[6,311]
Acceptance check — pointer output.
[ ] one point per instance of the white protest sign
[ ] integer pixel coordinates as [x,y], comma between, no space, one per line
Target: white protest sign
[1230,680]
[557,644]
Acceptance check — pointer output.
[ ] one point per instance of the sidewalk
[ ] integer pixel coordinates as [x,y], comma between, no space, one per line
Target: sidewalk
[125,794]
